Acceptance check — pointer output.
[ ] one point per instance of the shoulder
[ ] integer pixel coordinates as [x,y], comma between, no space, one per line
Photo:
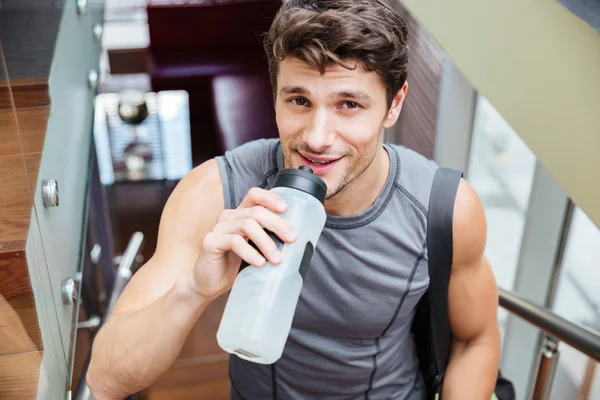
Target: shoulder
[192,208]
[247,166]
[415,174]
[469,229]
[257,157]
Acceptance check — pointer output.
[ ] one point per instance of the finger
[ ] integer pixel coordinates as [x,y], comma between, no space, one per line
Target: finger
[219,243]
[261,197]
[252,230]
[265,218]
[242,248]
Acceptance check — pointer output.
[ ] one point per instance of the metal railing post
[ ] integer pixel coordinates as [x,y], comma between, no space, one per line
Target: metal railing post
[547,369]
[122,277]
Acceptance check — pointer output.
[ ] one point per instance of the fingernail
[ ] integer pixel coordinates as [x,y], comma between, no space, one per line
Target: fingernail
[281,205]
[292,236]
[276,256]
[259,261]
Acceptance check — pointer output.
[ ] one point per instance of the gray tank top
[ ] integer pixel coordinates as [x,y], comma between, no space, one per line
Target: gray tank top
[350,337]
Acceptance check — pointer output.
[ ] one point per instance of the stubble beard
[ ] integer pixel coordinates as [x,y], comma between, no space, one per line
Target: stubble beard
[354,172]
[350,175]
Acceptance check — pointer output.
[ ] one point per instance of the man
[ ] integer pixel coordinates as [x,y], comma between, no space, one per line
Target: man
[338,69]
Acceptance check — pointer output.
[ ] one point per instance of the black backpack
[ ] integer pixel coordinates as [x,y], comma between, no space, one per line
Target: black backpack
[431,327]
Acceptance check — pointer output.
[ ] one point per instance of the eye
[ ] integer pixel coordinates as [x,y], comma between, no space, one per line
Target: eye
[299,101]
[350,105]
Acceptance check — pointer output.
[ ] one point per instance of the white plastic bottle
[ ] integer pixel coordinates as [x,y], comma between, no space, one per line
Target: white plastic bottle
[259,312]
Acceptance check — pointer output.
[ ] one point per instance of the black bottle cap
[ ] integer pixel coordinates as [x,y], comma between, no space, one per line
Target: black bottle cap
[302,179]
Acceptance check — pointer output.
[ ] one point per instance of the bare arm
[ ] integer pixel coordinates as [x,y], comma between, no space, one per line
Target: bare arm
[199,250]
[473,305]
[159,306]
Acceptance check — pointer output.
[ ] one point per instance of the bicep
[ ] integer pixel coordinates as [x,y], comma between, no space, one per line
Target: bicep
[473,294]
[190,213]
[473,302]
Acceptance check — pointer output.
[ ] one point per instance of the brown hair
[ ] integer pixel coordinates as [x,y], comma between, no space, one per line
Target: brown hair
[325,32]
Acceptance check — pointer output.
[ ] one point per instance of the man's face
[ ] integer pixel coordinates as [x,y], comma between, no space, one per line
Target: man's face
[332,123]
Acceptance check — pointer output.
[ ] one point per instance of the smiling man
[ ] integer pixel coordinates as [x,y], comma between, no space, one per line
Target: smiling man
[338,70]
[331,119]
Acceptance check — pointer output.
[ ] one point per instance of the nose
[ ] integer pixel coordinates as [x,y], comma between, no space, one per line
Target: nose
[317,135]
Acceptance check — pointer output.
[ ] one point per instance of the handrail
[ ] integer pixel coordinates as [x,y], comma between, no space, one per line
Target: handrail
[124,273]
[575,335]
[556,329]
[122,277]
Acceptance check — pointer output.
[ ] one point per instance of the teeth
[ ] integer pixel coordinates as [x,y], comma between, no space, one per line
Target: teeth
[318,162]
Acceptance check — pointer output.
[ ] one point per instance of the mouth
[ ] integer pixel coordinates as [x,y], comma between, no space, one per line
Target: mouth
[319,164]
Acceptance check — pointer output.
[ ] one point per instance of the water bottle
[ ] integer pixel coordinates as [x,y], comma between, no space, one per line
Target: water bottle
[259,312]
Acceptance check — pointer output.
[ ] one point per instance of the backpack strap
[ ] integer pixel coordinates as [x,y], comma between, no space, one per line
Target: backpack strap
[439,250]
[431,326]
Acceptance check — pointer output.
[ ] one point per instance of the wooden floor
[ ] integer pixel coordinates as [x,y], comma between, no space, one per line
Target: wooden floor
[201,371]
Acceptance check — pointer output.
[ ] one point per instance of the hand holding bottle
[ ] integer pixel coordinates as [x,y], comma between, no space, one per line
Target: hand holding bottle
[227,244]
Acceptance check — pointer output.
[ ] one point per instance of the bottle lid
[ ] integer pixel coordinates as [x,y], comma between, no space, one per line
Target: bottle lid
[302,179]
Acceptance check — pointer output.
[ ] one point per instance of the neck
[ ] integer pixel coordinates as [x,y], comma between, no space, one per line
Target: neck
[361,193]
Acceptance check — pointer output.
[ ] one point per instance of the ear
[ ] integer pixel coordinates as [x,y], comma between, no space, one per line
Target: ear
[394,112]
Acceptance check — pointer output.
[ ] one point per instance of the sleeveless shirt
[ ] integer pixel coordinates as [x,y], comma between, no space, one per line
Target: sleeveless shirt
[351,332]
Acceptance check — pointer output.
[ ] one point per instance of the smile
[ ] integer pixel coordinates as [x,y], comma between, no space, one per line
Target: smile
[319,165]
[318,162]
